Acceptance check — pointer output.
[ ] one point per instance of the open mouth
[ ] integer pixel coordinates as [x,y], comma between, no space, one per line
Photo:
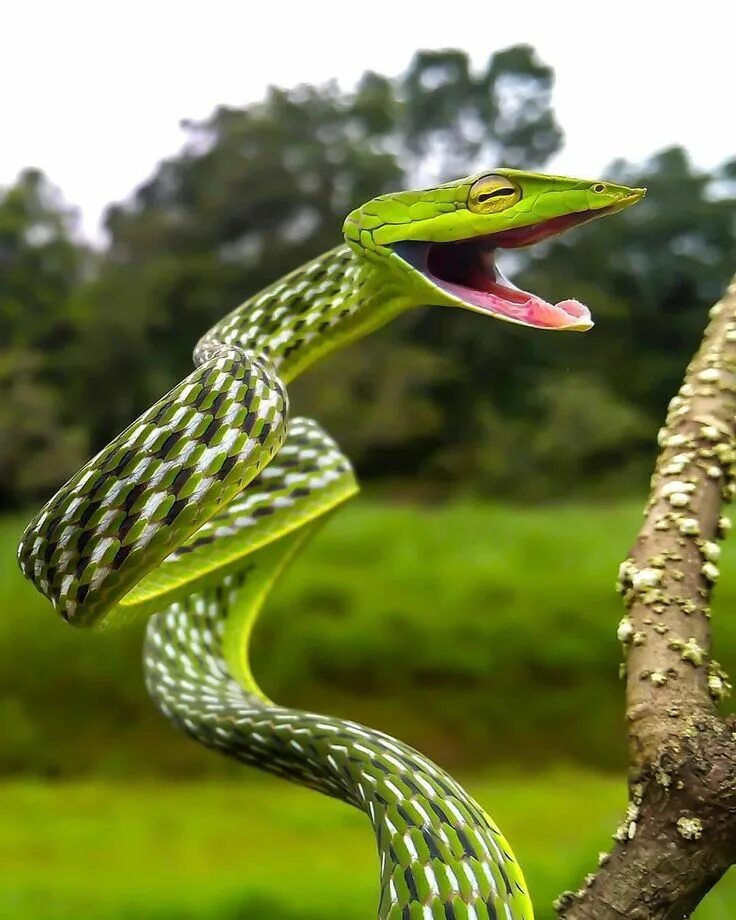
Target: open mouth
[467,270]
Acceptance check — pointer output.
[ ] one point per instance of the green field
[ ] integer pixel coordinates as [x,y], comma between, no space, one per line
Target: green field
[265,849]
[483,634]
[478,633]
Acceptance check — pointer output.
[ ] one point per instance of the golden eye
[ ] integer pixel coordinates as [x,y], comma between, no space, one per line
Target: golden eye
[490,194]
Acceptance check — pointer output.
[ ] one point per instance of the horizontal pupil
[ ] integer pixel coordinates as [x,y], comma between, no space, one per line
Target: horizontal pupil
[495,193]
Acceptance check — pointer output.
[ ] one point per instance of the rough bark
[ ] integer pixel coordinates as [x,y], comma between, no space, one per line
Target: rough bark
[679,833]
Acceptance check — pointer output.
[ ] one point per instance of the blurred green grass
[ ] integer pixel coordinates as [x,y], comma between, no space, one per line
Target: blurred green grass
[231,851]
[483,634]
[475,632]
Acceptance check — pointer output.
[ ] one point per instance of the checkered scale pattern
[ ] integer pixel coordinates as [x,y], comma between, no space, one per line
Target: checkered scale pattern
[191,513]
[289,319]
[442,857]
[154,485]
[327,303]
[308,470]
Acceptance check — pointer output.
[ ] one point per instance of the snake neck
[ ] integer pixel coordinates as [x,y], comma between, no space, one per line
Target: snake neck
[324,305]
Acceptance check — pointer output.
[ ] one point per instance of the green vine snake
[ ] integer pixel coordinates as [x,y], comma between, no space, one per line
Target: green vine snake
[191,513]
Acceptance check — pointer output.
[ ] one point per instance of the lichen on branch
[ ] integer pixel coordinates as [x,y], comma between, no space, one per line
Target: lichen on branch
[679,832]
[668,579]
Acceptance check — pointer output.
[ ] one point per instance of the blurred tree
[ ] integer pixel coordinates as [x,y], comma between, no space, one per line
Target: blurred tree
[649,275]
[546,418]
[259,190]
[41,267]
[455,120]
[459,401]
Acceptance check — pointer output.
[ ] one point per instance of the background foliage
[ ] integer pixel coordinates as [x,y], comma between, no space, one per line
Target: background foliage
[483,633]
[94,337]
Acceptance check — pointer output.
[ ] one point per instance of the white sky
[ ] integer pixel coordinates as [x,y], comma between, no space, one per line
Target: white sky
[92,92]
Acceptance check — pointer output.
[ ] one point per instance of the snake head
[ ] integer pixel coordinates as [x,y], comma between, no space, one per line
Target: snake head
[446,239]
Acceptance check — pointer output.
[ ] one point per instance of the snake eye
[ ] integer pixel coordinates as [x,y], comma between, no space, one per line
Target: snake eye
[599,187]
[490,194]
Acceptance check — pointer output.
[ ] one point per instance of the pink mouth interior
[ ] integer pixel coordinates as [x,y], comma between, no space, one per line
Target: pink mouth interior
[467,270]
[522,306]
[490,291]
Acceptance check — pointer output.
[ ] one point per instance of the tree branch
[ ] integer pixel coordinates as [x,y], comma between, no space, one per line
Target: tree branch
[679,834]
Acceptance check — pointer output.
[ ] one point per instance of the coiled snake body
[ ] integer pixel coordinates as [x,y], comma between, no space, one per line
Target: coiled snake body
[191,513]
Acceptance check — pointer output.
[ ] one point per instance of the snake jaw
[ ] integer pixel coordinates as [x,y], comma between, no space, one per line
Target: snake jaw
[445,238]
[481,285]
[468,272]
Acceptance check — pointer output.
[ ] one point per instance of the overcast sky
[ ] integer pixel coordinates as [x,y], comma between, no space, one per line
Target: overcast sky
[92,92]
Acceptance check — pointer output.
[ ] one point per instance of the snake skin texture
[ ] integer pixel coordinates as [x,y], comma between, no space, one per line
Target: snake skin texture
[189,516]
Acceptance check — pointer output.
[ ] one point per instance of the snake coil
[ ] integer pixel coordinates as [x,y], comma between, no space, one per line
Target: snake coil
[191,513]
